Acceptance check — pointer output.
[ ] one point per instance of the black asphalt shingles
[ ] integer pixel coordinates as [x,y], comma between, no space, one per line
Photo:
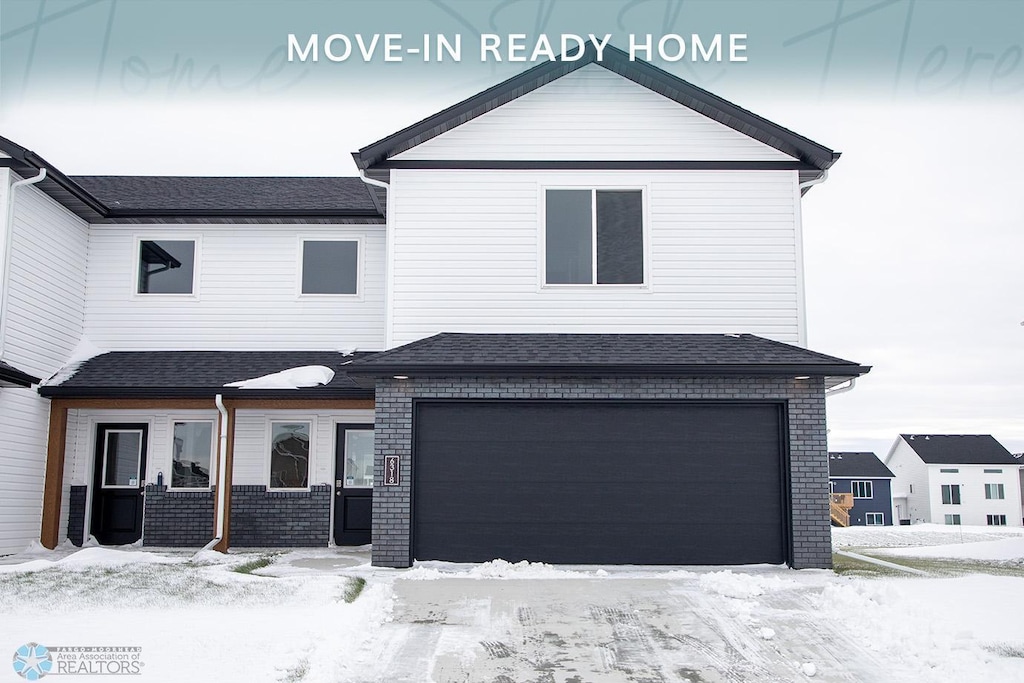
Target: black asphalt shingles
[602,350]
[198,373]
[959,449]
[226,194]
[851,464]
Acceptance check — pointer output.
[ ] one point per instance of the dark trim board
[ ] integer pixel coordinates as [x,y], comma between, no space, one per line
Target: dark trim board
[711,507]
[612,165]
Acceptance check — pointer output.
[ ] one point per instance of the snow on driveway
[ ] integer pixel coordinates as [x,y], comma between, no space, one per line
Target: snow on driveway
[509,623]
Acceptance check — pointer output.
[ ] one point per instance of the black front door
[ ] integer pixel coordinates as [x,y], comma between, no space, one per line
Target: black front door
[353,486]
[118,483]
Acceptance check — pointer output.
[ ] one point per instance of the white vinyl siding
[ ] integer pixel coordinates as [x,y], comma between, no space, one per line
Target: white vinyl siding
[467,255]
[46,298]
[593,114]
[247,292]
[23,415]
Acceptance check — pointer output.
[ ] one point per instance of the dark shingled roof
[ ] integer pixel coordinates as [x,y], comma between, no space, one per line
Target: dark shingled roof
[867,465]
[707,354]
[959,449]
[282,195]
[12,376]
[195,374]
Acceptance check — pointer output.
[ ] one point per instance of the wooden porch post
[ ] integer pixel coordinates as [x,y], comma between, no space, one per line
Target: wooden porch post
[229,457]
[54,483]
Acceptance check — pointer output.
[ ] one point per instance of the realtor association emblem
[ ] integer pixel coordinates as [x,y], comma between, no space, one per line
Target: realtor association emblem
[32,661]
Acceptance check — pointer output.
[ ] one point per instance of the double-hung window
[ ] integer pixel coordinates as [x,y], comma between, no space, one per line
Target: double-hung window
[951,494]
[874,519]
[594,237]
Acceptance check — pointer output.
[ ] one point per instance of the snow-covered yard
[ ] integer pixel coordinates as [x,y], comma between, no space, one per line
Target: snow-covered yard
[307,616]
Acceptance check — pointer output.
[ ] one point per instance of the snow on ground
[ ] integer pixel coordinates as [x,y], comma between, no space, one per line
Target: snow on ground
[197,618]
[1002,550]
[918,535]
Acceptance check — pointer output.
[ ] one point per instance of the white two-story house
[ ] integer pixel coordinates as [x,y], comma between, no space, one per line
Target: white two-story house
[562,320]
[955,479]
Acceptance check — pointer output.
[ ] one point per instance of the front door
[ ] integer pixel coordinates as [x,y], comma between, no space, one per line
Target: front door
[118,483]
[353,485]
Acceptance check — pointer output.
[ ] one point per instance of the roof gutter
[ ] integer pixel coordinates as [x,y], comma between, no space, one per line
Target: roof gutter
[8,235]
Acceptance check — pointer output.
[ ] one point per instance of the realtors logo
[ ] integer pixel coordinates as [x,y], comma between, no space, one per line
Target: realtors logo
[32,661]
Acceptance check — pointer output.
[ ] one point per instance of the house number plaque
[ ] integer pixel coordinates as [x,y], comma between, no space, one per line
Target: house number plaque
[391,475]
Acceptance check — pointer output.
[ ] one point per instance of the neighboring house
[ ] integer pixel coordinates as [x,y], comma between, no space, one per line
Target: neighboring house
[587,287]
[868,482]
[955,479]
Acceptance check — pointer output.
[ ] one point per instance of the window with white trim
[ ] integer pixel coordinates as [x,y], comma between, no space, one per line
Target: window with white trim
[994,492]
[330,266]
[995,520]
[594,237]
[861,489]
[953,519]
[874,519]
[951,494]
[191,454]
[289,454]
[166,266]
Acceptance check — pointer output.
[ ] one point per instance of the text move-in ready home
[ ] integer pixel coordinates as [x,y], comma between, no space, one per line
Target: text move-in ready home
[560,321]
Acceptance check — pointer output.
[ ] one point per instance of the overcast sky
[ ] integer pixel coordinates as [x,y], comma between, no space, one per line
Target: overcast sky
[913,247]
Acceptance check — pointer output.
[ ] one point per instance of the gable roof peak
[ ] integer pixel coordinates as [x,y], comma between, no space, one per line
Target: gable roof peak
[818,158]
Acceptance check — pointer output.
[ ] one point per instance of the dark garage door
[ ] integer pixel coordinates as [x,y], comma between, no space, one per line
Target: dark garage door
[598,482]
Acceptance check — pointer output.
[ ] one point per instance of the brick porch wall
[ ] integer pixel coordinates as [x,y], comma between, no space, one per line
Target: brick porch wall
[808,453]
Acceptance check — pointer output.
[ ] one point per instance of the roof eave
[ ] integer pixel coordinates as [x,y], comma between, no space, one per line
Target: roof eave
[596,369]
[308,393]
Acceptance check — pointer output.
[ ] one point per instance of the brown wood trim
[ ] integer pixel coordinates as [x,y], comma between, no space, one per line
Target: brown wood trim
[56,440]
[138,403]
[229,466]
[300,404]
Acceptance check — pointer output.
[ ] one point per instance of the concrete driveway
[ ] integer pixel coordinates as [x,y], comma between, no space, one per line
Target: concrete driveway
[697,626]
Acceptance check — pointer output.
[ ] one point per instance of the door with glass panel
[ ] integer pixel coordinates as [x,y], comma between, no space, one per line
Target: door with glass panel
[118,482]
[353,486]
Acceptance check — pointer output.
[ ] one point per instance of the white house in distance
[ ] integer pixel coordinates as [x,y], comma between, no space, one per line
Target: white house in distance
[955,479]
[551,322]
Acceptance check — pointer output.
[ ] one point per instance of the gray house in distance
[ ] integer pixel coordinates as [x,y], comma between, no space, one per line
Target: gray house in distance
[870,482]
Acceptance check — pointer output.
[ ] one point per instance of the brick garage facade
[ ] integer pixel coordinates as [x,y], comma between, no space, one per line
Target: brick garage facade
[808,456]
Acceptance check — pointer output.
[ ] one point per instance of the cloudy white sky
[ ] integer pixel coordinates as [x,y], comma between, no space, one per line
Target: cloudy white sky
[913,247]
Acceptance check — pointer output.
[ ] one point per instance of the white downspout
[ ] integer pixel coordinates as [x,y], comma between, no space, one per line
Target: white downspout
[841,389]
[222,472]
[8,250]
[817,181]
[372,181]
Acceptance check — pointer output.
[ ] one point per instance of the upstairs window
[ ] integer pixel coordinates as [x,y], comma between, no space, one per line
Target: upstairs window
[951,494]
[594,237]
[994,492]
[330,267]
[166,266]
[861,489]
